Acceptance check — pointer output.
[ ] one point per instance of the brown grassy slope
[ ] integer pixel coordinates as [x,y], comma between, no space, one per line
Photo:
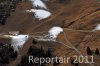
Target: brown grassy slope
[73,14]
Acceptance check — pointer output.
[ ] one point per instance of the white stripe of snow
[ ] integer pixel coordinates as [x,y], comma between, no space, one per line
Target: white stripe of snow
[38,3]
[97,27]
[40,14]
[55,31]
[18,41]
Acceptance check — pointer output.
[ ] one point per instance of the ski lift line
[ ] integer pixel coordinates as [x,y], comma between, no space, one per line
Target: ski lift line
[42,38]
[37,33]
[67,29]
[64,28]
[34,34]
[74,47]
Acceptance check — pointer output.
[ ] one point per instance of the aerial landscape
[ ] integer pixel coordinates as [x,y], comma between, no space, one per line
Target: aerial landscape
[49,32]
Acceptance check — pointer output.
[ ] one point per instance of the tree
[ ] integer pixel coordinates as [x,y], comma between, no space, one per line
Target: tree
[4,60]
[11,49]
[48,53]
[97,51]
[1,44]
[89,52]
[76,64]
[56,62]
[72,61]
[34,42]
[13,55]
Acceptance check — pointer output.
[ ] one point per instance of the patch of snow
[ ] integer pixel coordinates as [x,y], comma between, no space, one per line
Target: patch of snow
[38,3]
[18,41]
[39,13]
[55,31]
[97,27]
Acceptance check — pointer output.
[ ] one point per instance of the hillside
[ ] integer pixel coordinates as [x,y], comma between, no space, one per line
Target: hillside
[77,18]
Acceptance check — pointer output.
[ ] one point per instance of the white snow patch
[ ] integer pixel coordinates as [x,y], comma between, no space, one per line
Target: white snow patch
[40,14]
[18,41]
[38,3]
[55,31]
[97,27]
